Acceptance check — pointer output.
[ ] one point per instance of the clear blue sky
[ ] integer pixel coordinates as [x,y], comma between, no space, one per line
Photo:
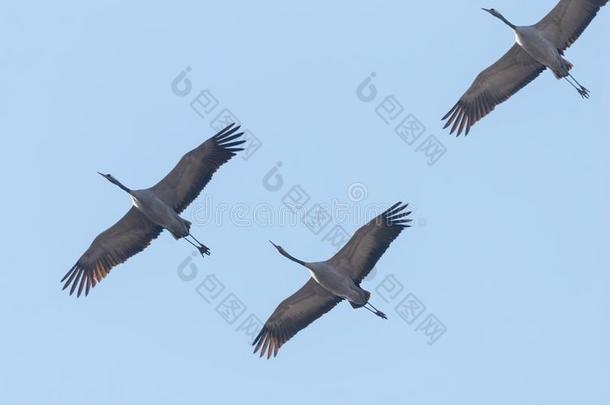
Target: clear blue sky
[509,249]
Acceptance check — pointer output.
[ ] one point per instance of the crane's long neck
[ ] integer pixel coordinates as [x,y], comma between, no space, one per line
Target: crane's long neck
[290,257]
[121,186]
[510,24]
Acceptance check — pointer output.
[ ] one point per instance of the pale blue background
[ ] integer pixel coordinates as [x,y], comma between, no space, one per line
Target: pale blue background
[510,249]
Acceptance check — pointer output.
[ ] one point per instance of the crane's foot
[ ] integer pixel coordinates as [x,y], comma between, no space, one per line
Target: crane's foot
[204,250]
[584,92]
[374,310]
[381,314]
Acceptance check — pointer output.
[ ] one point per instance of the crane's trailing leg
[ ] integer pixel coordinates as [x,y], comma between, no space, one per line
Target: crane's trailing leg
[203,249]
[561,70]
[375,311]
[207,250]
[582,90]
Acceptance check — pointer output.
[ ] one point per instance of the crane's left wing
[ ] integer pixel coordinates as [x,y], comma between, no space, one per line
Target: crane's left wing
[129,236]
[494,85]
[184,183]
[293,314]
[567,21]
[369,243]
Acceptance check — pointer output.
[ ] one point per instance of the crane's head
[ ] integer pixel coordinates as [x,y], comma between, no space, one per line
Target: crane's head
[111,179]
[286,254]
[108,177]
[499,16]
[493,12]
[279,248]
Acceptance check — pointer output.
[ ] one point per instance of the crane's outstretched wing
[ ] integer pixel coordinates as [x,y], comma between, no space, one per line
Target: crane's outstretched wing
[184,183]
[129,236]
[494,85]
[293,314]
[369,243]
[564,24]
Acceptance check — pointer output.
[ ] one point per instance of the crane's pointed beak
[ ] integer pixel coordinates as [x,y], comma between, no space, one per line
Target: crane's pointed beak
[274,245]
[486,9]
[101,174]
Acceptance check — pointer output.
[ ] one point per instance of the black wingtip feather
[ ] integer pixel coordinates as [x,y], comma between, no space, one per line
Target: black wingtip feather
[227,131]
[230,138]
[231,144]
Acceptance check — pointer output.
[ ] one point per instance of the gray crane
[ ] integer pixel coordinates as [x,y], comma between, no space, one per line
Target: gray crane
[154,209]
[333,280]
[537,47]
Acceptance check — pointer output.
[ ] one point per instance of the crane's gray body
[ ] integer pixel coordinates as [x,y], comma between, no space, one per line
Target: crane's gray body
[157,211]
[536,48]
[338,282]
[333,280]
[542,50]
[154,209]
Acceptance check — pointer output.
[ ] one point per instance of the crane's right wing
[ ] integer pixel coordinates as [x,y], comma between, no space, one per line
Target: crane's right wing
[184,183]
[129,236]
[369,243]
[494,85]
[567,21]
[293,314]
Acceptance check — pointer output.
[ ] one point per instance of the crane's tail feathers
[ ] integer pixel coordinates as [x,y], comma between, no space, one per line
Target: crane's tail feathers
[365,295]
[187,224]
[563,69]
[176,235]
